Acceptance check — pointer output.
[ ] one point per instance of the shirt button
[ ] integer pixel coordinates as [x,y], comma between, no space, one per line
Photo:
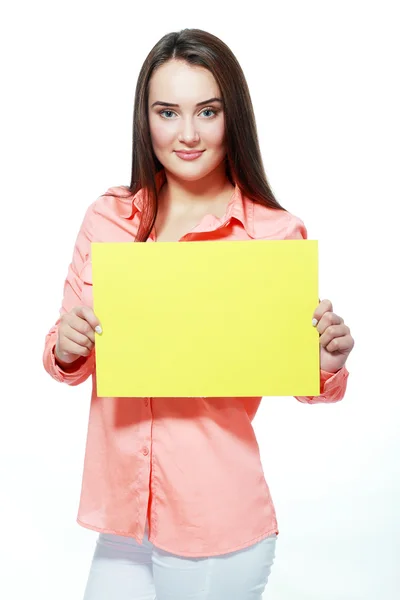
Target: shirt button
[146,402]
[145,451]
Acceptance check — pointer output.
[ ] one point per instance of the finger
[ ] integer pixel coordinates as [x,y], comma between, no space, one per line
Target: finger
[328,319]
[341,344]
[72,347]
[86,313]
[82,328]
[332,332]
[79,338]
[323,307]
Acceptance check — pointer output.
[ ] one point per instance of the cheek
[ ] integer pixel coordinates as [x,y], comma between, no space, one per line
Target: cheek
[214,136]
[161,135]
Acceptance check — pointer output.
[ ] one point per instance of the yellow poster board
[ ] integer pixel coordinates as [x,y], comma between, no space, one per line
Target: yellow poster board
[206,319]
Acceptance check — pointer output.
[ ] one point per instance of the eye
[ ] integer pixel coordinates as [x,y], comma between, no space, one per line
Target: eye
[214,110]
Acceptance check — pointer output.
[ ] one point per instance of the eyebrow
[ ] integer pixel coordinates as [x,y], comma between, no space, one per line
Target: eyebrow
[198,104]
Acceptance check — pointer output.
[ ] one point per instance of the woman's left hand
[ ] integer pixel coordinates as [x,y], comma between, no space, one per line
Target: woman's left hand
[335,340]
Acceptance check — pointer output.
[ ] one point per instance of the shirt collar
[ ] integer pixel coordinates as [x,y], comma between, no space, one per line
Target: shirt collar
[239,207]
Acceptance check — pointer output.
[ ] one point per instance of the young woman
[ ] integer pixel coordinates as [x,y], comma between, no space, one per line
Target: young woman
[175,486]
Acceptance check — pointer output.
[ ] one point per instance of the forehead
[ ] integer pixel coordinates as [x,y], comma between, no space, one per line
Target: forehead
[181,83]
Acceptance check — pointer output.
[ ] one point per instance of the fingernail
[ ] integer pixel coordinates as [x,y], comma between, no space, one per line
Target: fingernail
[98,329]
[314,322]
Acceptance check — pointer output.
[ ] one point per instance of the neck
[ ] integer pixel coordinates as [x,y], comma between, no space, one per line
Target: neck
[181,195]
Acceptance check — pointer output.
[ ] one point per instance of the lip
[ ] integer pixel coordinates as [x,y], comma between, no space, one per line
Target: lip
[188,151]
[189,155]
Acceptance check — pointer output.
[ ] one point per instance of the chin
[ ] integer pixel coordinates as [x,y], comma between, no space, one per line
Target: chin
[190,170]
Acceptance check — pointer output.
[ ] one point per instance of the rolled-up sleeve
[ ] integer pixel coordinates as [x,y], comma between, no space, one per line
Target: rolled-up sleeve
[72,296]
[332,387]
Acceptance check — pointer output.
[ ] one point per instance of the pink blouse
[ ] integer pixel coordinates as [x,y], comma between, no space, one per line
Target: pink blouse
[189,467]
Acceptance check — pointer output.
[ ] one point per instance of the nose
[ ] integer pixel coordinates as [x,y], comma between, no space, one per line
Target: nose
[188,133]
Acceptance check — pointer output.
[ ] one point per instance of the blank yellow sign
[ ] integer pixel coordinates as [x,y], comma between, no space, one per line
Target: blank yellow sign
[206,318]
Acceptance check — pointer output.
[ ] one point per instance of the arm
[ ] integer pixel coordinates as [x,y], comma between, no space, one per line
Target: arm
[332,385]
[78,371]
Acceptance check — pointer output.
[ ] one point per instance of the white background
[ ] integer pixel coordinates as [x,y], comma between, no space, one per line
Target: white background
[324,80]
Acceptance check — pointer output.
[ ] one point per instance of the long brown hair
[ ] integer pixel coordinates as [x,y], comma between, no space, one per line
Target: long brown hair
[244,165]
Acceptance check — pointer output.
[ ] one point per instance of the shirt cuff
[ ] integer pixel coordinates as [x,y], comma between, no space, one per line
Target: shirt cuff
[333,385]
[84,366]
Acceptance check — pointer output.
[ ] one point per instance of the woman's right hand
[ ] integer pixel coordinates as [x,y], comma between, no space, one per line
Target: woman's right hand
[76,332]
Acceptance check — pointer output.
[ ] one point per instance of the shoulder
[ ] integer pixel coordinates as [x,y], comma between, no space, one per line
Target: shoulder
[103,213]
[273,223]
[115,201]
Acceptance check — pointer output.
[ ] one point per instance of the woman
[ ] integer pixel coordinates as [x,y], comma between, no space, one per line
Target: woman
[175,486]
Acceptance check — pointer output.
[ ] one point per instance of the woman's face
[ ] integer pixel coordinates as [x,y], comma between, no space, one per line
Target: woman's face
[187,126]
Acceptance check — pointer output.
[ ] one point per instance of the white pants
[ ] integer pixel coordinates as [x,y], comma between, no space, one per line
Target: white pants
[122,569]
